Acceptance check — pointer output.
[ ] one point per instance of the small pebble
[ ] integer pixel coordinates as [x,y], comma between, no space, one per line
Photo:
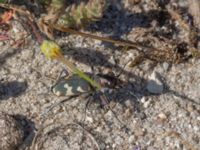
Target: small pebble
[196,128]
[112,60]
[190,108]
[162,116]
[154,85]
[165,66]
[1,43]
[143,99]
[102,146]
[140,132]
[146,104]
[89,119]
[131,139]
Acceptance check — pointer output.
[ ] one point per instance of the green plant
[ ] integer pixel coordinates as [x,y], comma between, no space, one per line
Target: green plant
[53,51]
[3,1]
[76,14]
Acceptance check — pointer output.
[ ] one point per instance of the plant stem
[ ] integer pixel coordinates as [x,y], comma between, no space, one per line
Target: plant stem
[75,70]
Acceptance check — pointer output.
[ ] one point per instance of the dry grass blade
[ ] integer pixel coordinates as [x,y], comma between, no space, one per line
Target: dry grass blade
[105,39]
[154,54]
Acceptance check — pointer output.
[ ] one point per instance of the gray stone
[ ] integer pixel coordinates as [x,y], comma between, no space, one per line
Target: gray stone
[165,66]
[154,84]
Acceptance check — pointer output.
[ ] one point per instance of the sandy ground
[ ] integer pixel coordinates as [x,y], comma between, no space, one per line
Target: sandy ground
[169,119]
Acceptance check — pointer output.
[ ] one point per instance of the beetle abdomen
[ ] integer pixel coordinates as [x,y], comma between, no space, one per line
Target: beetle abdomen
[74,85]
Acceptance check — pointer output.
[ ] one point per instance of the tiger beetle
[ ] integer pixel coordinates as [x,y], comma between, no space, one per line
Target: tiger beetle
[73,86]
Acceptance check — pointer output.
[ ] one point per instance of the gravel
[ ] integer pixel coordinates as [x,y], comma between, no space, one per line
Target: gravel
[11,135]
[165,115]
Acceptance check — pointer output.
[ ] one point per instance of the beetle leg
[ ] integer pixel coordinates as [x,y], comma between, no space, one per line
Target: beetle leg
[89,100]
[57,104]
[106,100]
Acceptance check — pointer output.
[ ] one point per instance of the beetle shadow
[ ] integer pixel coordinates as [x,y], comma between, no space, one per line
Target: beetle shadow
[12,89]
[130,92]
[88,56]
[182,96]
[98,59]
[94,58]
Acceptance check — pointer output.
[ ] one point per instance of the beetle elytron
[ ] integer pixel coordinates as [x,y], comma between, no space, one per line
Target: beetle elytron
[75,85]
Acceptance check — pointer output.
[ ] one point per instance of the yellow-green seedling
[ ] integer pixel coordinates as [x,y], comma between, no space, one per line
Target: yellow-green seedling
[53,51]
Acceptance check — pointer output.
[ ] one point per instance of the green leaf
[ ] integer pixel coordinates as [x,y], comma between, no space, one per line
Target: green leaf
[52,50]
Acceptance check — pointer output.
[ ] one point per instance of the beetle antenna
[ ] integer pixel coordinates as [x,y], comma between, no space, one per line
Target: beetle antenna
[106,100]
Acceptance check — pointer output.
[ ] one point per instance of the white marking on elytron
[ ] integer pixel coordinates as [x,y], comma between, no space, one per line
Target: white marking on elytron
[58,93]
[69,89]
[80,89]
[54,91]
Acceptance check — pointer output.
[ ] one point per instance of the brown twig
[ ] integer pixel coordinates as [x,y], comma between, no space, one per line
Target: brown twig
[105,39]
